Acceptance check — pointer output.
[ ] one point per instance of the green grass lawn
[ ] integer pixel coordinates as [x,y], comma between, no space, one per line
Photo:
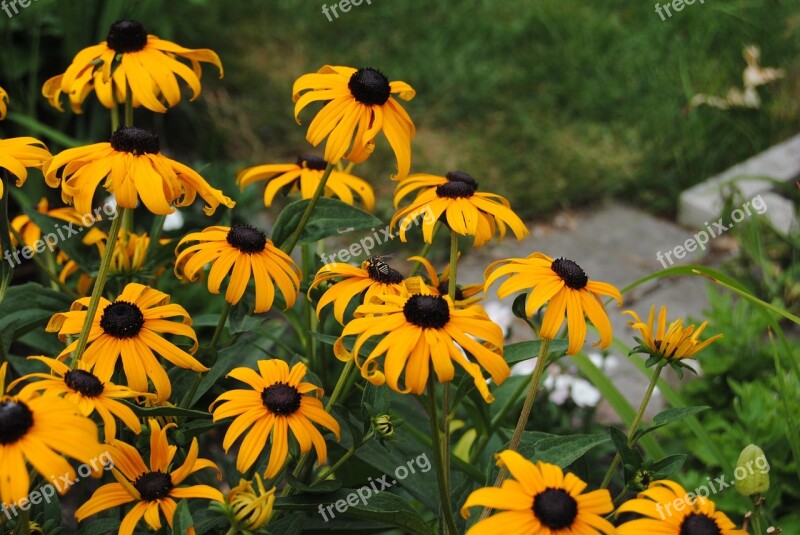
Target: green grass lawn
[554,103]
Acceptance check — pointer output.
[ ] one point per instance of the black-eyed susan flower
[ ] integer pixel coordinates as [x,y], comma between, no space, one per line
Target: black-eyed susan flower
[131,167]
[130,60]
[244,251]
[540,500]
[673,343]
[275,406]
[31,233]
[304,176]
[566,286]
[248,505]
[154,487]
[456,199]
[3,103]
[86,391]
[421,328]
[39,429]
[465,295]
[695,516]
[359,105]
[17,154]
[374,277]
[131,329]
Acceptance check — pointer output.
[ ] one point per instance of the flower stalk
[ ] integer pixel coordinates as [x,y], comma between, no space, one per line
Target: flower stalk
[99,285]
[635,424]
[441,478]
[292,241]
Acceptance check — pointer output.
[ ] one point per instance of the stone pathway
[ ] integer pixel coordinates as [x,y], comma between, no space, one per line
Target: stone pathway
[613,243]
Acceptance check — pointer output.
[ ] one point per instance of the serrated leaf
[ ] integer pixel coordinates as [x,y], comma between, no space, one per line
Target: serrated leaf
[331,217]
[374,402]
[667,466]
[630,457]
[565,450]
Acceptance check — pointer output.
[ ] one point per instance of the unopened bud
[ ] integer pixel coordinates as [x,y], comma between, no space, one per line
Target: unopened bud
[752,471]
[383,426]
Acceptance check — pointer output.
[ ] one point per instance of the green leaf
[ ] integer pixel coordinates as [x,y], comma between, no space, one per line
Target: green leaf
[323,487]
[182,519]
[152,412]
[383,507]
[668,416]
[289,525]
[103,525]
[565,450]
[630,457]
[27,307]
[374,402]
[521,351]
[331,217]
[667,466]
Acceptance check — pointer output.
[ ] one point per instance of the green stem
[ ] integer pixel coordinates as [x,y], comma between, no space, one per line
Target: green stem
[223,317]
[129,107]
[232,531]
[447,509]
[289,245]
[337,391]
[114,118]
[446,411]
[5,238]
[97,291]
[425,250]
[533,389]
[350,452]
[756,517]
[311,315]
[634,424]
[498,419]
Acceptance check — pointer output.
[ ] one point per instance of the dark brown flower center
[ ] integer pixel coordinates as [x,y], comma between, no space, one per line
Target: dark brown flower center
[312,161]
[135,141]
[281,399]
[570,272]
[84,382]
[699,524]
[555,508]
[444,289]
[459,184]
[153,486]
[247,239]
[122,319]
[380,271]
[126,36]
[370,86]
[427,311]
[15,421]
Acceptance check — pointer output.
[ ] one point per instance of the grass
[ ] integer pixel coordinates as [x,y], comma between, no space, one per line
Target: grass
[555,103]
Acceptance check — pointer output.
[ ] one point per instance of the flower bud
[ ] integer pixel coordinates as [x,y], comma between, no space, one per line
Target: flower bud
[251,504]
[383,426]
[752,471]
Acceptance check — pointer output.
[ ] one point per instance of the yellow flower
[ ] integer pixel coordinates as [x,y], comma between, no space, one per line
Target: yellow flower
[696,515]
[130,59]
[3,103]
[466,210]
[673,343]
[465,295]
[251,505]
[129,328]
[540,500]
[86,391]
[374,277]
[304,176]
[38,429]
[566,286]
[422,328]
[154,487]
[19,153]
[273,406]
[131,167]
[246,251]
[359,104]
